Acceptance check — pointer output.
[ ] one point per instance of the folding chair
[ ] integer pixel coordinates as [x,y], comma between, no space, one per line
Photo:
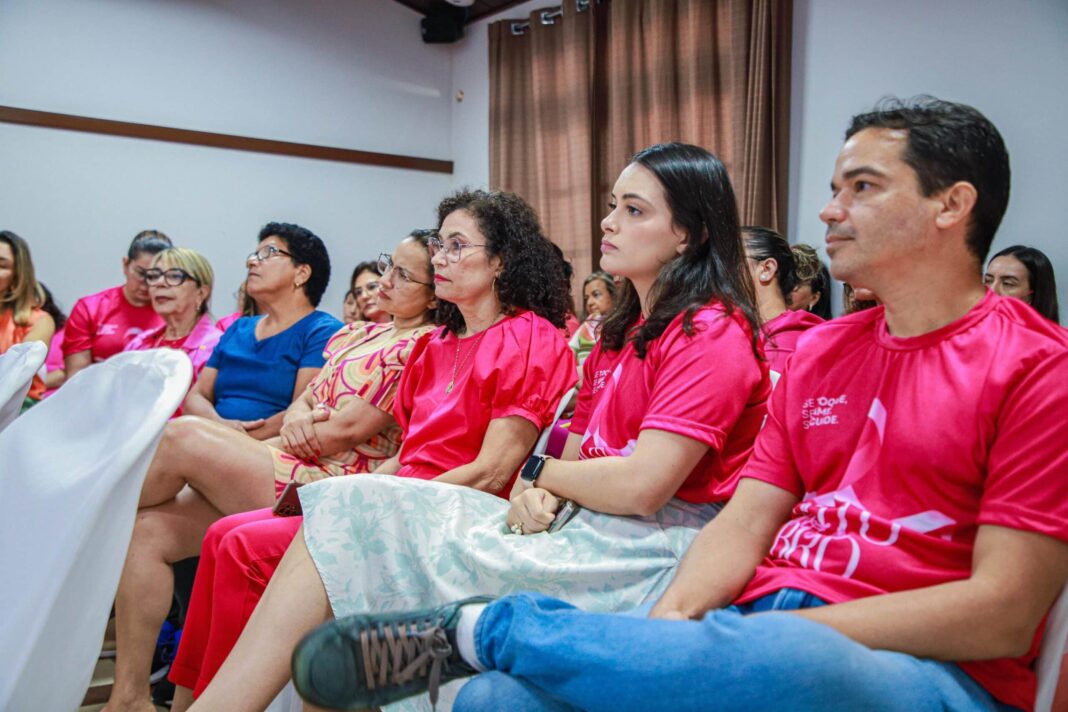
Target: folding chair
[17,366]
[73,467]
[1051,654]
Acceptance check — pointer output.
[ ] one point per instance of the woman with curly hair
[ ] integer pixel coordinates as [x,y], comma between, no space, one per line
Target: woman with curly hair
[673,397]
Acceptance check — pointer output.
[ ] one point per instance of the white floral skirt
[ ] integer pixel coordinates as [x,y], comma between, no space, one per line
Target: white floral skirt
[384,543]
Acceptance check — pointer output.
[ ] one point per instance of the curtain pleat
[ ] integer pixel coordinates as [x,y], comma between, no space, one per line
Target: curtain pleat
[570,102]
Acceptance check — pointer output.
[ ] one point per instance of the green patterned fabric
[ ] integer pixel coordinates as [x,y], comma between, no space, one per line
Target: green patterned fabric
[384,543]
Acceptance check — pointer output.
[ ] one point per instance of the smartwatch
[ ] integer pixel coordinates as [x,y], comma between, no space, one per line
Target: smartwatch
[533,467]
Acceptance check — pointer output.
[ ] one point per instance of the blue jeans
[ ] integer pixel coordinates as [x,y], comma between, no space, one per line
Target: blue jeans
[545,654]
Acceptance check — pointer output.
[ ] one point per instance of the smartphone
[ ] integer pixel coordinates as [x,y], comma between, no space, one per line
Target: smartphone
[564,515]
[288,504]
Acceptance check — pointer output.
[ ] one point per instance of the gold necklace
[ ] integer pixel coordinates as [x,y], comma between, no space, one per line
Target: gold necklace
[456,365]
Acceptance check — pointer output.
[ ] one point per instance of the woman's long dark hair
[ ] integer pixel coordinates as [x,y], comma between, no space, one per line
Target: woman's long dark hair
[532,267]
[1040,275]
[712,266]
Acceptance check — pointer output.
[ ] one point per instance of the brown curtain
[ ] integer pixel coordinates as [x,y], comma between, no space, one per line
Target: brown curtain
[570,102]
[541,93]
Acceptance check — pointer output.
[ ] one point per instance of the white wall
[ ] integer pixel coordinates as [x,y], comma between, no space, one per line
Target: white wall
[333,72]
[1005,58]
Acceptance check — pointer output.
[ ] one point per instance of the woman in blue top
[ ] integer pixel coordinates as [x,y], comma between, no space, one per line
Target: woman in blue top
[263,362]
[257,369]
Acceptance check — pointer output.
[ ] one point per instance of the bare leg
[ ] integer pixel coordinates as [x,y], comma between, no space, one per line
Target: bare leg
[162,535]
[230,469]
[258,667]
[183,698]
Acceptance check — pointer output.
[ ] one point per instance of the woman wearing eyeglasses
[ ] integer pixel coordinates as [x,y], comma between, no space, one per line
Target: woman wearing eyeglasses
[257,368]
[352,394]
[101,324]
[361,302]
[179,283]
[262,363]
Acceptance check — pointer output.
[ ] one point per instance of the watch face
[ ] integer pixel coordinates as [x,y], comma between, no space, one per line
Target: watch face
[532,468]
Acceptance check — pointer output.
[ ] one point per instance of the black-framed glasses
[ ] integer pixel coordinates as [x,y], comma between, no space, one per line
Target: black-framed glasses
[265,253]
[173,277]
[452,247]
[140,273]
[403,276]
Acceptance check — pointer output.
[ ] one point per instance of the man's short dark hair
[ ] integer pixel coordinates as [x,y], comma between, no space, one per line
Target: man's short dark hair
[306,249]
[947,143]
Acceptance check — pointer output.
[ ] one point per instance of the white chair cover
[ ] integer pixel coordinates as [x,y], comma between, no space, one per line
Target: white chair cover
[17,366]
[543,439]
[72,469]
[1050,655]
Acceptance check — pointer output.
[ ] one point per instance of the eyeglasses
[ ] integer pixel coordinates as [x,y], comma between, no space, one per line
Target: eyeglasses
[265,253]
[453,248]
[368,289]
[403,276]
[172,278]
[140,273]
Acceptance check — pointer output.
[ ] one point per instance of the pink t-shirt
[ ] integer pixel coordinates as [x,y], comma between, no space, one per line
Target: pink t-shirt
[781,335]
[224,323]
[902,448]
[519,366]
[709,387]
[104,323]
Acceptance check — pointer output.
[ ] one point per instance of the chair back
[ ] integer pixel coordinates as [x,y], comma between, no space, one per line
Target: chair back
[543,439]
[17,366]
[72,470]
[1051,654]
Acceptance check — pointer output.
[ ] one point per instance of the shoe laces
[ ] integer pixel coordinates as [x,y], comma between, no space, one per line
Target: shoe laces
[396,654]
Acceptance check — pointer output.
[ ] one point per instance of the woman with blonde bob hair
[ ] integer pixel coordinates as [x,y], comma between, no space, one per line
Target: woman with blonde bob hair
[21,316]
[180,281]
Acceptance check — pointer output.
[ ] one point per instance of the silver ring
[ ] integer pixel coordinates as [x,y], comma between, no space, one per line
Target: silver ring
[517,528]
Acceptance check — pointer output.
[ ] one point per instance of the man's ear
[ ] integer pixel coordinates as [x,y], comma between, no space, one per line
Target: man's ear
[957,205]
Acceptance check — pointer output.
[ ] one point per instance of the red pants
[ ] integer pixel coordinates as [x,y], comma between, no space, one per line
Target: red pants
[239,555]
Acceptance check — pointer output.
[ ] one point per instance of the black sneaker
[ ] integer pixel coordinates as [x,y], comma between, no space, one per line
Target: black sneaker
[370,660]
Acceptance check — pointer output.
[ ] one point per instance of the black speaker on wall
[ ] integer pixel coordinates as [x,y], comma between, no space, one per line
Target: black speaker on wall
[444,23]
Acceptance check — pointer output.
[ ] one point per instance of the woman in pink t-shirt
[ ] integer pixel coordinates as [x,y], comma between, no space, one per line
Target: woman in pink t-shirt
[672,399]
[101,324]
[774,275]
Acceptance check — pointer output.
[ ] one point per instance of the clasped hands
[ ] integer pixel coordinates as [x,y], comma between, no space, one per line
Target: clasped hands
[533,508]
[298,432]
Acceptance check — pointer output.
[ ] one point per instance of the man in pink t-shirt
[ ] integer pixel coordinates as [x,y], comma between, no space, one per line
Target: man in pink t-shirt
[906,503]
[102,324]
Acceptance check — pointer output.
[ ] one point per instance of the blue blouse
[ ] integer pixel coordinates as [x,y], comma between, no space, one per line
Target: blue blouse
[256,377]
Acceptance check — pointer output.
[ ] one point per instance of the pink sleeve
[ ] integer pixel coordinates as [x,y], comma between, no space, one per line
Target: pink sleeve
[1026,484]
[78,330]
[536,373]
[704,381]
[580,420]
[404,398]
[772,460]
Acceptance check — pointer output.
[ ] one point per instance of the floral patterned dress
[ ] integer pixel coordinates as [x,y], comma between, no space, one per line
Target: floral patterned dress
[363,360]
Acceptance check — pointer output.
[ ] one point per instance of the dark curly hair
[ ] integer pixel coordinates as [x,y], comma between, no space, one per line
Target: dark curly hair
[532,269]
[712,266]
[305,248]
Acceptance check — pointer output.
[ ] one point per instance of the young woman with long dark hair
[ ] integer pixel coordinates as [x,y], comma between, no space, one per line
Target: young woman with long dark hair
[672,400]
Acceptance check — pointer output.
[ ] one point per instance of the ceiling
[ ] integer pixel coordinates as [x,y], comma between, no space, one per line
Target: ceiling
[478,10]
